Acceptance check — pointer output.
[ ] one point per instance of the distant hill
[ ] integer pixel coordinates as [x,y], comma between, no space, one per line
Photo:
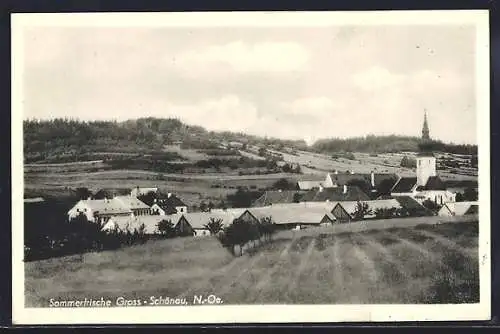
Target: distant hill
[381,144]
[65,140]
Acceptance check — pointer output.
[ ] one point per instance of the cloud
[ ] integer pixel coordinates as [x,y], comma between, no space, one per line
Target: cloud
[227,113]
[244,57]
[376,78]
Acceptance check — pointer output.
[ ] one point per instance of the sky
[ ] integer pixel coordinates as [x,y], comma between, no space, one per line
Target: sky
[287,82]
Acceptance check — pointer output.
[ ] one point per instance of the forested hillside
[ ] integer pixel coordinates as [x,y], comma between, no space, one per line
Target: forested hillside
[65,140]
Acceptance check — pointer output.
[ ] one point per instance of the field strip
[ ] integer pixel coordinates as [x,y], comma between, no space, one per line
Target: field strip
[338,278]
[368,264]
[387,255]
[413,246]
[293,284]
[283,257]
[449,244]
[221,271]
[228,286]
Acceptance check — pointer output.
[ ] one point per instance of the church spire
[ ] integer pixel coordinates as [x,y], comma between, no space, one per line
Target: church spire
[425,128]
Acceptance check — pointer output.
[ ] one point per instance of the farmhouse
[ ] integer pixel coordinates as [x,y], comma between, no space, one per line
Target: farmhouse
[459,209]
[287,216]
[344,193]
[271,197]
[193,224]
[138,207]
[99,210]
[168,205]
[124,223]
[374,181]
[345,211]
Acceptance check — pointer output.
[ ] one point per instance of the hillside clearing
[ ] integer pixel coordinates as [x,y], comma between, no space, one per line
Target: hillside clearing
[418,264]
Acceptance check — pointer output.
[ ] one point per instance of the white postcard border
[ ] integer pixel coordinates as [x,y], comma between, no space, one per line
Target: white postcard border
[253,313]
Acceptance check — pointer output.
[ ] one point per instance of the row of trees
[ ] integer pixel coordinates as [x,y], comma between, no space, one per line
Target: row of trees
[394,143]
[362,210]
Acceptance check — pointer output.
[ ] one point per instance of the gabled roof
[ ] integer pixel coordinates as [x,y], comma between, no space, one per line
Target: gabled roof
[122,223]
[378,178]
[169,210]
[404,185]
[460,208]
[197,220]
[103,193]
[171,200]
[34,200]
[461,183]
[306,185]
[412,205]
[350,207]
[105,206]
[473,210]
[353,193]
[131,202]
[434,183]
[276,196]
[294,213]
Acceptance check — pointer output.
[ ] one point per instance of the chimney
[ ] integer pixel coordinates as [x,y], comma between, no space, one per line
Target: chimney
[345,189]
[373,179]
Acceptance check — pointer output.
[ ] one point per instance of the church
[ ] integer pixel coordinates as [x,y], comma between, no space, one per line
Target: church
[426,185]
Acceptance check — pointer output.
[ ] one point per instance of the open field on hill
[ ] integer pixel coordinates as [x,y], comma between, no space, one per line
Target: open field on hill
[425,263]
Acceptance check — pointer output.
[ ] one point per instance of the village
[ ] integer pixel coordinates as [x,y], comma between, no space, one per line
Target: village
[339,198]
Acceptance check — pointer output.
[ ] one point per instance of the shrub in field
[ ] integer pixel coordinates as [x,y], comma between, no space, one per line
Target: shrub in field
[214,225]
[166,228]
[385,213]
[362,209]
[433,206]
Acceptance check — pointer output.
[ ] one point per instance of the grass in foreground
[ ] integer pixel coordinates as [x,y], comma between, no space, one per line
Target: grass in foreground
[422,264]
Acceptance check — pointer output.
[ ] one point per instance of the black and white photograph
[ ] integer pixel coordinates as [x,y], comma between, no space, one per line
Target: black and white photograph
[250,167]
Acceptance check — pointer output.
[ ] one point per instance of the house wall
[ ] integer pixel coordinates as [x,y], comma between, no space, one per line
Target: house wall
[183,228]
[341,215]
[438,196]
[80,208]
[444,212]
[141,212]
[247,217]
[156,210]
[201,233]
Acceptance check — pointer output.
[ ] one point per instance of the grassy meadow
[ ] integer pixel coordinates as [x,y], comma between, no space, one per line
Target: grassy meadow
[373,262]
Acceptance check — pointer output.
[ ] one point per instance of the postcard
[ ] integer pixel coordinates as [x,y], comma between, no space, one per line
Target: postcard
[250,167]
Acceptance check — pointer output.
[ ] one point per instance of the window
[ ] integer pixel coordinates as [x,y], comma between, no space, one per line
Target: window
[182,210]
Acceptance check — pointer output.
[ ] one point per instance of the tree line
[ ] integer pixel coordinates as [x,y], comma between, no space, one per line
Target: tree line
[389,144]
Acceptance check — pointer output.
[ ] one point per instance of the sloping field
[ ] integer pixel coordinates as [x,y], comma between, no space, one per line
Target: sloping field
[426,263]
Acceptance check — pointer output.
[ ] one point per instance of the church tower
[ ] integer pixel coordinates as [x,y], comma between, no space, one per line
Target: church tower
[425,129]
[426,162]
